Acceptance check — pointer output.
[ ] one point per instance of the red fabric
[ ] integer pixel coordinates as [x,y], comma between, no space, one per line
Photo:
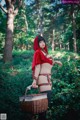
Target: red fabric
[36,46]
[40,58]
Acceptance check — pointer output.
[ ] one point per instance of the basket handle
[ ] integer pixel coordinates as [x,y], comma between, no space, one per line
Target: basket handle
[28,88]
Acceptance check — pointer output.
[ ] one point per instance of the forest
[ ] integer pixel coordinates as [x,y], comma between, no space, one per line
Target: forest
[58,21]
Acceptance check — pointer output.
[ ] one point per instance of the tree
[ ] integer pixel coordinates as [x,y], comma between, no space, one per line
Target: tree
[58,17]
[11,11]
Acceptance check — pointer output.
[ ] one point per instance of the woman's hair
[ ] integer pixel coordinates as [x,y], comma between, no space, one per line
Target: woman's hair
[40,38]
[36,43]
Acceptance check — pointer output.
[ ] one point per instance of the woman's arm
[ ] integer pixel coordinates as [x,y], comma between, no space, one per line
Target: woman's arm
[57,62]
[35,76]
[54,62]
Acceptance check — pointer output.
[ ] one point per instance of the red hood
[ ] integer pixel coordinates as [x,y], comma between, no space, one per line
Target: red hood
[36,46]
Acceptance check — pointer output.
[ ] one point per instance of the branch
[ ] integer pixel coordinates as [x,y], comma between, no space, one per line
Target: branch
[16,11]
[3,8]
[20,3]
[13,2]
[8,2]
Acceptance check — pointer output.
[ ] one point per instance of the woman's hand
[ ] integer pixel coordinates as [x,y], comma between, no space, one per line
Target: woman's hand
[34,85]
[58,62]
[50,57]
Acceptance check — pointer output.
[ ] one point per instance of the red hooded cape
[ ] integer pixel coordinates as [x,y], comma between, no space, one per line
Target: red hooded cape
[39,57]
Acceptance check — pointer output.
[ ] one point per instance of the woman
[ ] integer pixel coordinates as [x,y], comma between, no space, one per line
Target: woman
[41,67]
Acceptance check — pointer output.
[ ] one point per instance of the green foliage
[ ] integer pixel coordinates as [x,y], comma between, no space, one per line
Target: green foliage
[55,16]
[66,87]
[2,30]
[14,78]
[17,75]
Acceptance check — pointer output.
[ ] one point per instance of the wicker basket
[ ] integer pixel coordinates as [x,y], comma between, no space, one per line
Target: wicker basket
[34,103]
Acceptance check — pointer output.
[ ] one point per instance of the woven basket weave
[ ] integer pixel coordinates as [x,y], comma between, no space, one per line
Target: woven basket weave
[34,103]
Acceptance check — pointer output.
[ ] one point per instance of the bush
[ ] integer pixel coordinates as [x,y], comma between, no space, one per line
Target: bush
[17,75]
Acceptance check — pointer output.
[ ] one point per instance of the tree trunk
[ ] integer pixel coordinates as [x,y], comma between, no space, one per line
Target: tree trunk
[68,47]
[70,44]
[53,37]
[11,13]
[60,46]
[40,22]
[39,18]
[9,38]
[74,29]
